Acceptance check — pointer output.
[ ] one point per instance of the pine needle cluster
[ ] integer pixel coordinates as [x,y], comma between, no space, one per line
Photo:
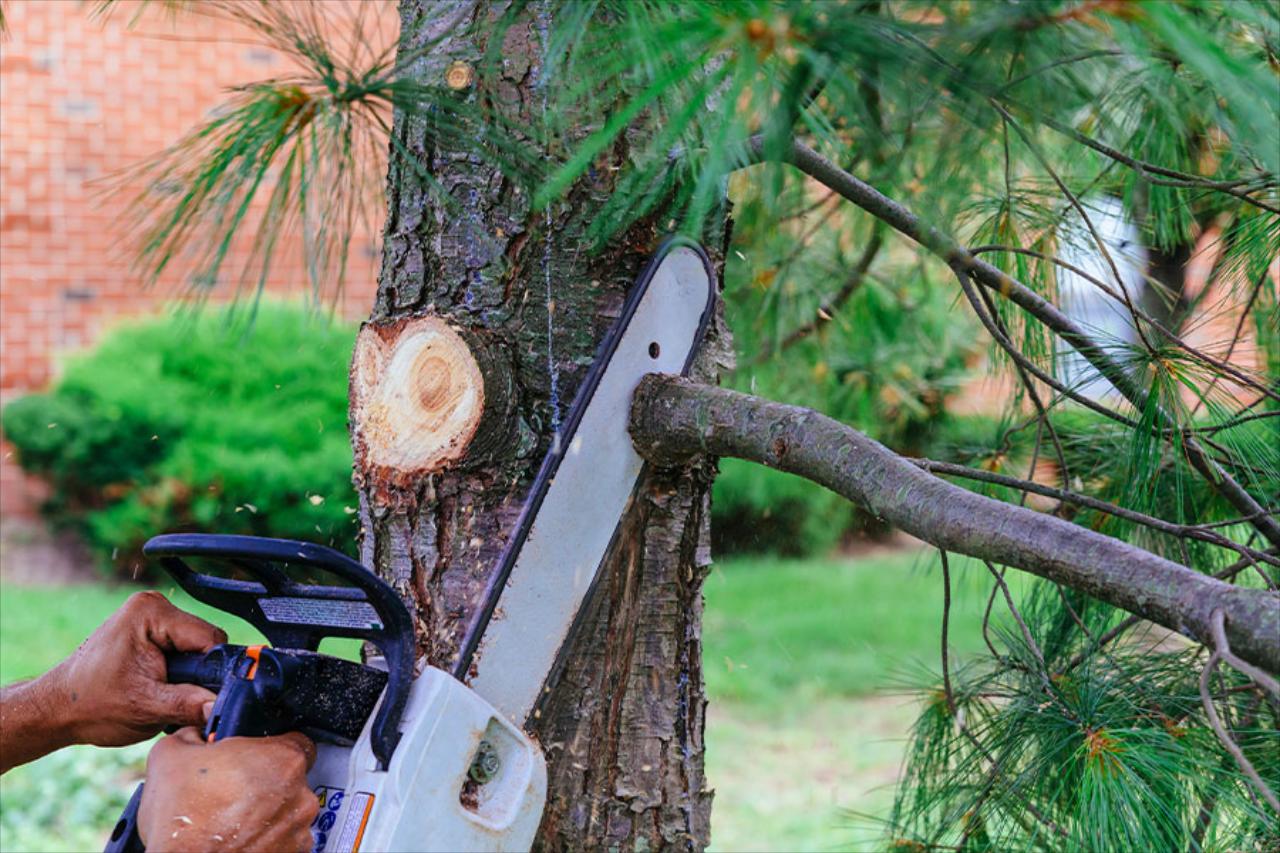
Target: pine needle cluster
[962,132]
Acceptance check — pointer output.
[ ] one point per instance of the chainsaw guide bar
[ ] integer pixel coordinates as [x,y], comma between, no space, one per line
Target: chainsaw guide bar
[583,488]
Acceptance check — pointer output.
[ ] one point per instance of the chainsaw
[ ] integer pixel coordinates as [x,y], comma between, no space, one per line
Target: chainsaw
[440,760]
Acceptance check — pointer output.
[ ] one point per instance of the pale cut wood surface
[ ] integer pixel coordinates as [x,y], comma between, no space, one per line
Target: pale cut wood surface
[417,396]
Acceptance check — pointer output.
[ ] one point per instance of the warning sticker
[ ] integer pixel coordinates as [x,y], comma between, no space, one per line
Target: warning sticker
[326,817]
[354,825]
[321,611]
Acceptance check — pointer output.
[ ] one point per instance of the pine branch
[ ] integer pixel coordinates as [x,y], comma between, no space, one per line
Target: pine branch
[947,691]
[1024,364]
[1170,177]
[965,264]
[1042,412]
[1201,532]
[1098,243]
[674,419]
[1221,364]
[1147,171]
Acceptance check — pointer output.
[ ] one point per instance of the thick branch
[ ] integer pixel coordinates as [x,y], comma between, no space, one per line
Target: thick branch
[1189,531]
[958,258]
[673,419]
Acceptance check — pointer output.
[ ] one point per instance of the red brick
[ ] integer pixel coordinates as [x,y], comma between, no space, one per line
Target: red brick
[80,100]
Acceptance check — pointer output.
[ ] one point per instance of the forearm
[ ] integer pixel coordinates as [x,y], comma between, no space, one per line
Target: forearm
[33,720]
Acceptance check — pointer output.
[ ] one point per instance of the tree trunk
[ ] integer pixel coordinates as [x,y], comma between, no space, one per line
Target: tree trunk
[493,310]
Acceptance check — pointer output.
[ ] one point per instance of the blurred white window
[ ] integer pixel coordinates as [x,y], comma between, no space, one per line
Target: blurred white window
[1106,319]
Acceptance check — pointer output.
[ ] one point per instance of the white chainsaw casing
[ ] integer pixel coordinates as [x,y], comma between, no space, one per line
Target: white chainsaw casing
[425,800]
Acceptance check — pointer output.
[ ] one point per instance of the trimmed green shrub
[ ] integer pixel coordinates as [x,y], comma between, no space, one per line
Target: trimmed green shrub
[207,422]
[755,509]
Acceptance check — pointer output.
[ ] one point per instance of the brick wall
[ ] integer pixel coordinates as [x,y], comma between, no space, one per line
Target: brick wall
[80,100]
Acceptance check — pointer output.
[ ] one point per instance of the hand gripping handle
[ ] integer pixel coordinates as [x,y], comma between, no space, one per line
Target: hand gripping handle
[207,670]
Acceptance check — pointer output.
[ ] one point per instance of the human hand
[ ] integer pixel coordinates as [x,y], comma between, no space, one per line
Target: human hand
[113,690]
[241,793]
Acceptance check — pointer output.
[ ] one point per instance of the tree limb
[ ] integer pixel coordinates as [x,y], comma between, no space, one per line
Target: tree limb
[959,259]
[1190,531]
[1225,574]
[673,419]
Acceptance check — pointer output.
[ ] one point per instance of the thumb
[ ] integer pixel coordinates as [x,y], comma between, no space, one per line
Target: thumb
[170,748]
[179,704]
[187,735]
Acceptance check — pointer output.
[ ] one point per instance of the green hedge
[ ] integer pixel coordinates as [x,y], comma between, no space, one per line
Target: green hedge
[759,510]
[207,422]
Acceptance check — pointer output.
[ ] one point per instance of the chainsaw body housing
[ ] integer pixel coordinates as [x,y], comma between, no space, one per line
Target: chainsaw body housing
[430,796]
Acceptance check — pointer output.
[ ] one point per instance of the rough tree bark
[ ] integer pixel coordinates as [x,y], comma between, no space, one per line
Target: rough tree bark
[487,316]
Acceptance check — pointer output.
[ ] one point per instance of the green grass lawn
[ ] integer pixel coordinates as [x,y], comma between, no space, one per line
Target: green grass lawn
[780,632]
[798,657]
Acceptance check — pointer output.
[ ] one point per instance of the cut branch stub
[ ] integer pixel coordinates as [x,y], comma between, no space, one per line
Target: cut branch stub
[418,396]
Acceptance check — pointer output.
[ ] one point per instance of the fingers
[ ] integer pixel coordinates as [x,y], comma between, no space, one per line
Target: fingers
[303,817]
[182,739]
[250,789]
[305,841]
[297,741]
[176,630]
[299,816]
[305,809]
[188,735]
[178,704]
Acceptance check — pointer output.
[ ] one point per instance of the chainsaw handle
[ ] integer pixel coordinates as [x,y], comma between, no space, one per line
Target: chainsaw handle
[208,669]
[293,612]
[203,668]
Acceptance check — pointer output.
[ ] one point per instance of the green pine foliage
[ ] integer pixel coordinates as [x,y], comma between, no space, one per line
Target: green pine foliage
[888,364]
[1053,746]
[994,121]
[308,148]
[197,423]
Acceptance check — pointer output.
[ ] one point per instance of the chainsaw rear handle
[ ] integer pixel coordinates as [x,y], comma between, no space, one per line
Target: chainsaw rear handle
[296,594]
[203,668]
[264,691]
[206,669]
